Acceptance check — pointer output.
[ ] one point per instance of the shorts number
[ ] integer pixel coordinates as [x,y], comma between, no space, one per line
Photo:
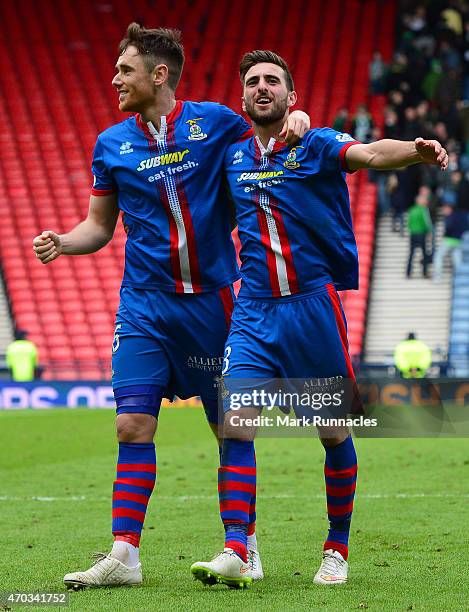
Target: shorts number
[226,360]
[115,342]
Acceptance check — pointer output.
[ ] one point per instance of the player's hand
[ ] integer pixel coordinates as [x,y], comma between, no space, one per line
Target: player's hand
[295,127]
[47,246]
[432,152]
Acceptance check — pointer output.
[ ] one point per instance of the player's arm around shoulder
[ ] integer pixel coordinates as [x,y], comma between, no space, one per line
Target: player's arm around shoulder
[295,127]
[87,237]
[387,154]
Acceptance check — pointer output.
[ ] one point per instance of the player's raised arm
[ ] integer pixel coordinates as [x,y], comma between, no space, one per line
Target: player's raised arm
[387,154]
[87,237]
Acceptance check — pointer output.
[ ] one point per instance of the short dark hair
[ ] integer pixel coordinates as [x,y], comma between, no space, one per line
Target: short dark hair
[258,57]
[160,44]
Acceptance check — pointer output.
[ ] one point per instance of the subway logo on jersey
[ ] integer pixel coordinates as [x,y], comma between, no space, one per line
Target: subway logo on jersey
[162,160]
[258,176]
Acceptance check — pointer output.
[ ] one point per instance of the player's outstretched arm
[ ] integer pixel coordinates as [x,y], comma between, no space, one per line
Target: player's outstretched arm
[387,154]
[295,127]
[87,237]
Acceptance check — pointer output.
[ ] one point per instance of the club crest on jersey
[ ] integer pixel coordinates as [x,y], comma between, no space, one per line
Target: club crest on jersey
[126,147]
[195,130]
[238,157]
[344,138]
[291,162]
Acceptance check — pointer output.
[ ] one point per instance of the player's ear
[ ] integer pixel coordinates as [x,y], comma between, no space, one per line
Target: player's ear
[160,74]
[243,104]
[292,98]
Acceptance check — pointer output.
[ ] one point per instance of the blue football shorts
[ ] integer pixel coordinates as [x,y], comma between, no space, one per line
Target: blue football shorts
[168,344]
[298,337]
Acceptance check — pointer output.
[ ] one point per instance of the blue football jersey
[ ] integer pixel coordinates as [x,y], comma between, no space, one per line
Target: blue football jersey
[171,189]
[293,213]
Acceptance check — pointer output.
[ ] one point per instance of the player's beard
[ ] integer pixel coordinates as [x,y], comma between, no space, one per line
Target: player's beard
[276,112]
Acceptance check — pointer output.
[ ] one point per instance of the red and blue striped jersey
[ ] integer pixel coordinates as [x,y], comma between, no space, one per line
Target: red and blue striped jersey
[171,190]
[293,213]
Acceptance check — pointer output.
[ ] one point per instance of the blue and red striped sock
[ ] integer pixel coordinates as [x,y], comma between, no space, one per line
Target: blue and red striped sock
[135,480]
[236,489]
[252,506]
[340,471]
[252,509]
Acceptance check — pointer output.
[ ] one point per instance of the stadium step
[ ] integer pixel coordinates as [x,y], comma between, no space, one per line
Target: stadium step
[399,305]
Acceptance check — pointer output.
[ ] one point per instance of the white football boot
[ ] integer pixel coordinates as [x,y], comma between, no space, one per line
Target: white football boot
[254,560]
[333,570]
[105,571]
[225,568]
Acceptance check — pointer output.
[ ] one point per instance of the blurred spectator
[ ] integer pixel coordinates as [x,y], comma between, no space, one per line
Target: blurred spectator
[412,129]
[391,124]
[362,124]
[449,196]
[22,358]
[396,100]
[381,179]
[412,357]
[416,21]
[420,226]
[456,223]
[440,131]
[341,121]
[397,71]
[463,111]
[377,74]
[450,57]
[403,186]
[431,79]
[463,193]
[453,20]
[424,119]
[447,92]
[395,201]
[466,60]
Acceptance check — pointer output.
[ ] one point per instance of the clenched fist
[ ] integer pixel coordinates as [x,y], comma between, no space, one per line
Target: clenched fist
[47,246]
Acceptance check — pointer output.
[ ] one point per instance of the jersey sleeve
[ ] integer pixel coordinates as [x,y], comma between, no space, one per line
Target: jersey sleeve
[103,183]
[330,147]
[234,126]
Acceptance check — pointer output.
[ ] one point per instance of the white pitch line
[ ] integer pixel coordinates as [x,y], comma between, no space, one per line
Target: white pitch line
[185,498]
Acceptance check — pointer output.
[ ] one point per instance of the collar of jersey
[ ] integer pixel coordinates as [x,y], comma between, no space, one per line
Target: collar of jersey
[151,131]
[272,147]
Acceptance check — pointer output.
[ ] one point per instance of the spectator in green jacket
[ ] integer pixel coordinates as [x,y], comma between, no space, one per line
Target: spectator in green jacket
[419,225]
[412,357]
[22,358]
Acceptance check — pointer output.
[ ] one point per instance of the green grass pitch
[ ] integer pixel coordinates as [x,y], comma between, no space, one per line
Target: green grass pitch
[408,540]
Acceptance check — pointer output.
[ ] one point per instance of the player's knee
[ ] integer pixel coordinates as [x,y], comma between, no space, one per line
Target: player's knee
[135,428]
[241,424]
[333,436]
[138,407]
